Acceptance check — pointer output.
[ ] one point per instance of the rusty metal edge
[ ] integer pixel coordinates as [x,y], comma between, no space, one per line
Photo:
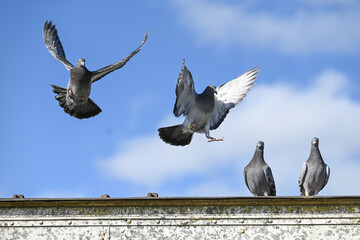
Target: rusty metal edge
[178,201]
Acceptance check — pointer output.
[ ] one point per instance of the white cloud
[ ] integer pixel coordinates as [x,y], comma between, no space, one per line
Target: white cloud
[283,116]
[300,31]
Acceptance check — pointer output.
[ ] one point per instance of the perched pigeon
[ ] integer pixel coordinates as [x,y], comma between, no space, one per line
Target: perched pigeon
[258,175]
[205,111]
[75,98]
[314,173]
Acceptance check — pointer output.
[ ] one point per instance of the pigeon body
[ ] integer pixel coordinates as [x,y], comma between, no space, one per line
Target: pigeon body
[314,173]
[205,111]
[258,175]
[75,98]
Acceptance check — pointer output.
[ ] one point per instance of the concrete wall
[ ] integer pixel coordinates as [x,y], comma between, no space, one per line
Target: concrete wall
[181,218]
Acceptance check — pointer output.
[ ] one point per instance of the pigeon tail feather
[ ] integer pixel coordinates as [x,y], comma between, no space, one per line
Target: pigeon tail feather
[177,135]
[86,110]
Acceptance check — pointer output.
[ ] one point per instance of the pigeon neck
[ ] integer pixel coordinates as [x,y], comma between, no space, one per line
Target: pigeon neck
[258,155]
[205,101]
[315,155]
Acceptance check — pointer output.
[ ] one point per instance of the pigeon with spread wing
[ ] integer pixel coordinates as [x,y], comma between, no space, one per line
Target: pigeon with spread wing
[205,111]
[75,98]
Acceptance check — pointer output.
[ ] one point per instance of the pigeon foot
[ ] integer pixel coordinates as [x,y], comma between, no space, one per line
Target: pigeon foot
[216,139]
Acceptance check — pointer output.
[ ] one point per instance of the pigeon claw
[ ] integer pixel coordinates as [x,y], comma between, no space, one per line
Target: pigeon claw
[216,139]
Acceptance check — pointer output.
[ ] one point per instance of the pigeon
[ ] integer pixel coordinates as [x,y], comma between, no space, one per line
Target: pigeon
[75,98]
[205,111]
[258,175]
[314,173]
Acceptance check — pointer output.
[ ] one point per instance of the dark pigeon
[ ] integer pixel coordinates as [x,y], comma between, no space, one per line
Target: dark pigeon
[314,173]
[258,175]
[205,111]
[75,98]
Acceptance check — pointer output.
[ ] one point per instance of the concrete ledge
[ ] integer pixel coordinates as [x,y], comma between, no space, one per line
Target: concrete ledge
[327,217]
[178,201]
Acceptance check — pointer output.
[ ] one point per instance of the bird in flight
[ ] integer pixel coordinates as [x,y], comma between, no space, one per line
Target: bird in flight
[75,98]
[205,111]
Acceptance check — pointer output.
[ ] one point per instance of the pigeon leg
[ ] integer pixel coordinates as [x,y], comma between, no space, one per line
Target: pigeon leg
[214,139]
[207,134]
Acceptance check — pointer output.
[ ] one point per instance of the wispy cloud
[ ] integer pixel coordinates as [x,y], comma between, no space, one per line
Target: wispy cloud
[312,28]
[283,116]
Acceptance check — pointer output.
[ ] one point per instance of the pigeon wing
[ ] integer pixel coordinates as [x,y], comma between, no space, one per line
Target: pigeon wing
[53,44]
[185,93]
[302,174]
[108,69]
[230,94]
[245,177]
[327,169]
[270,180]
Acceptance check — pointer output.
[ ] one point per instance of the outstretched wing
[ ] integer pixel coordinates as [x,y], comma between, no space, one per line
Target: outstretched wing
[270,180]
[185,93]
[230,94]
[108,69]
[53,44]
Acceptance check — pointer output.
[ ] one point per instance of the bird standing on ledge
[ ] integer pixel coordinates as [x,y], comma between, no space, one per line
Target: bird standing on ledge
[205,111]
[75,98]
[314,173]
[258,175]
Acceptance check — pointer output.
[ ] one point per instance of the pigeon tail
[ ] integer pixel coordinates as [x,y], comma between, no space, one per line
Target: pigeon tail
[86,110]
[177,135]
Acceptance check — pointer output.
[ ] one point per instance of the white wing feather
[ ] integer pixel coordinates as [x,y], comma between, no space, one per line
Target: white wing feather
[230,94]
[235,90]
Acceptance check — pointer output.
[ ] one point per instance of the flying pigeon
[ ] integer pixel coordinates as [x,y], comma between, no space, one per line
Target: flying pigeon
[205,111]
[258,175]
[75,98]
[314,173]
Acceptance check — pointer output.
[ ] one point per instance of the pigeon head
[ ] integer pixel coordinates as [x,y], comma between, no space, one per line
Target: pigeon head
[315,141]
[81,62]
[210,89]
[260,145]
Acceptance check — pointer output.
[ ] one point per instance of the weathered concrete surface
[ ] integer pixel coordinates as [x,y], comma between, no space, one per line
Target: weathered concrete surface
[181,218]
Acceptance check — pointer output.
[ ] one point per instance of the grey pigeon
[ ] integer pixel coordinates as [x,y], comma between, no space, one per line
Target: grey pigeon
[314,173]
[258,175]
[75,98]
[205,111]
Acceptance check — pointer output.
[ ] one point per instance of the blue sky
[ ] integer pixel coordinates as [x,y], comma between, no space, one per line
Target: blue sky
[308,51]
